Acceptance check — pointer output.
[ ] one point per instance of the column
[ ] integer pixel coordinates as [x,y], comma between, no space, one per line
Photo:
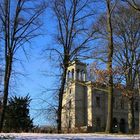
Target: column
[89,105]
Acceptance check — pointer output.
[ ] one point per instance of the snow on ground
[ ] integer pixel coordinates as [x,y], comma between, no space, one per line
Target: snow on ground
[37,136]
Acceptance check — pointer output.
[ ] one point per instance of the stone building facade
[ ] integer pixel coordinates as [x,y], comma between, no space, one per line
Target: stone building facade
[85,106]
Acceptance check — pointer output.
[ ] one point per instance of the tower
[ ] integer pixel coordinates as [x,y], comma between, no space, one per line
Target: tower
[76,71]
[74,112]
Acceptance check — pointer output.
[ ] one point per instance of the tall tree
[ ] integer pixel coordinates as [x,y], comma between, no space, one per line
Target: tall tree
[127,53]
[126,42]
[19,19]
[109,66]
[72,36]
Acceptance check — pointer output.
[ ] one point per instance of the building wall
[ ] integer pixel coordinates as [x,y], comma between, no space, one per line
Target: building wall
[99,110]
[80,105]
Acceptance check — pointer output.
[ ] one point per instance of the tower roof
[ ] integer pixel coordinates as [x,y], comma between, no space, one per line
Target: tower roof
[77,61]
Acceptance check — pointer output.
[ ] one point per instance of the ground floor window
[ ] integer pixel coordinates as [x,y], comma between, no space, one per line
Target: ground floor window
[98,124]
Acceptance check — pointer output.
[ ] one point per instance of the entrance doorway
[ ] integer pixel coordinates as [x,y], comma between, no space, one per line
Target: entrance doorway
[122,125]
[115,125]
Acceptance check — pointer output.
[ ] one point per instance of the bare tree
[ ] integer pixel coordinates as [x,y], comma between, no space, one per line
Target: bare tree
[110,65]
[127,53]
[19,25]
[72,36]
[125,24]
[134,4]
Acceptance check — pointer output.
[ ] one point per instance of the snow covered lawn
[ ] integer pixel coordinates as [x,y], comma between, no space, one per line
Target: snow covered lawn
[37,136]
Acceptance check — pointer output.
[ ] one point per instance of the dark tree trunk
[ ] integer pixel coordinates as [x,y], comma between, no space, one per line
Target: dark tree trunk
[109,68]
[8,69]
[131,122]
[61,92]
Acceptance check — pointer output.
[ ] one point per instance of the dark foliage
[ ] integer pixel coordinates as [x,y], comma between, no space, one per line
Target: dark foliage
[17,117]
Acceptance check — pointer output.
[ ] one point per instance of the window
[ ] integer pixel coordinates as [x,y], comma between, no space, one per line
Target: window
[136,106]
[122,104]
[69,107]
[72,74]
[98,124]
[68,76]
[78,75]
[70,122]
[113,102]
[116,104]
[97,101]
[70,91]
[98,120]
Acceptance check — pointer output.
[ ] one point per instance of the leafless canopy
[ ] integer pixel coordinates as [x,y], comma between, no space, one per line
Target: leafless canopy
[19,23]
[74,28]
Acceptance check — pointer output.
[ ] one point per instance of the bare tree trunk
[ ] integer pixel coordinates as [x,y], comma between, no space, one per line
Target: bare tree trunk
[131,122]
[109,68]
[8,61]
[61,92]
[138,83]
[8,69]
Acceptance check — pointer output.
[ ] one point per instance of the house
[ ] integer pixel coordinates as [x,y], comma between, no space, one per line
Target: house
[85,105]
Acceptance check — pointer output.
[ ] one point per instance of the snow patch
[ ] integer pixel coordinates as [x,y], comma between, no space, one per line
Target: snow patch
[38,136]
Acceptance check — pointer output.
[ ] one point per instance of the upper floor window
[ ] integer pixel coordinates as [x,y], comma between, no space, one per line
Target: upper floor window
[113,102]
[78,74]
[98,124]
[122,104]
[136,106]
[70,90]
[97,101]
[72,74]
[68,75]
[70,104]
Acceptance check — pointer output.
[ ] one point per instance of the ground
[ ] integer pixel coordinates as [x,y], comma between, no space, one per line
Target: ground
[36,136]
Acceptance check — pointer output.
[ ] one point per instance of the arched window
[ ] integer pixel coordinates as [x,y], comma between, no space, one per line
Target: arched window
[98,102]
[69,105]
[81,75]
[122,125]
[72,74]
[98,124]
[98,120]
[113,102]
[78,75]
[122,104]
[84,75]
[115,125]
[68,76]
[70,91]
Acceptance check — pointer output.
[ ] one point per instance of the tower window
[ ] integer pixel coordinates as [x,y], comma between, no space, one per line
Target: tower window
[81,76]
[68,75]
[97,101]
[78,75]
[70,91]
[72,74]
